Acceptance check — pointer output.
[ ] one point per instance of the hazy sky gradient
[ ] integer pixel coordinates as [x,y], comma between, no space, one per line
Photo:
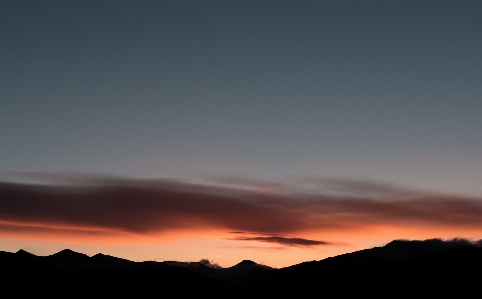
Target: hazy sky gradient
[225,92]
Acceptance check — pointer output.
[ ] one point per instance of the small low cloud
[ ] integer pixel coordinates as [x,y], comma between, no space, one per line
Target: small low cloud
[210,264]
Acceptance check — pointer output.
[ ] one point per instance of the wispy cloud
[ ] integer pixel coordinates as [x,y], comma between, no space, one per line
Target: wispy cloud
[146,206]
[244,182]
[353,187]
[269,248]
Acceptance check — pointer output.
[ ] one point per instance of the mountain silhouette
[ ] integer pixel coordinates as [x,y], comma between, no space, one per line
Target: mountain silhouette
[430,268]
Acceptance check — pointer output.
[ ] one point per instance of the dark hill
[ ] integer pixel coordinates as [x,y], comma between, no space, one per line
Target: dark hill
[245,262]
[428,268]
[69,260]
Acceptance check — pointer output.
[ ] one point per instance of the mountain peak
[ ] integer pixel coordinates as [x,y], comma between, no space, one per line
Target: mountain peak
[246,262]
[69,253]
[24,253]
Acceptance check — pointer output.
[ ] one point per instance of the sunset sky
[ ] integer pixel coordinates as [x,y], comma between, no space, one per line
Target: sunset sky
[276,131]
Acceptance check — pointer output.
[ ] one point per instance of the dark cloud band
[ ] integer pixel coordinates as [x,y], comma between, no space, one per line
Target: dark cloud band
[153,206]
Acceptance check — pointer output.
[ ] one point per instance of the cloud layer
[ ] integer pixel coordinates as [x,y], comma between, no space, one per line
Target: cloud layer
[144,207]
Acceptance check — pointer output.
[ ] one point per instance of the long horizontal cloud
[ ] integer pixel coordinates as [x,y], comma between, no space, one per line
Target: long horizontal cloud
[282,240]
[152,206]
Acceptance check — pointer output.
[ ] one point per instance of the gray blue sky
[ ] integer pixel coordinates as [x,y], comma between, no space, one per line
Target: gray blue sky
[267,90]
[276,131]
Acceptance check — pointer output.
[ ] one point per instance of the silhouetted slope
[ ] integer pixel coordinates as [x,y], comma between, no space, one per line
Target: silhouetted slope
[402,250]
[399,269]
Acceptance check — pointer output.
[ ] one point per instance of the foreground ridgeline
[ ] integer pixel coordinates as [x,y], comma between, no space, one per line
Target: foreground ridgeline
[399,269]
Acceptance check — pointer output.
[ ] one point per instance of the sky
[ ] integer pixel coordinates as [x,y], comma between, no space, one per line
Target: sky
[276,131]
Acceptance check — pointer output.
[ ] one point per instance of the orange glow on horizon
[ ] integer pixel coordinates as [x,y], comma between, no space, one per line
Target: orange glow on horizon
[215,244]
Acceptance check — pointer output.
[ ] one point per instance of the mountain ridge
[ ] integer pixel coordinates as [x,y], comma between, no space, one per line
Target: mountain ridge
[405,266]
